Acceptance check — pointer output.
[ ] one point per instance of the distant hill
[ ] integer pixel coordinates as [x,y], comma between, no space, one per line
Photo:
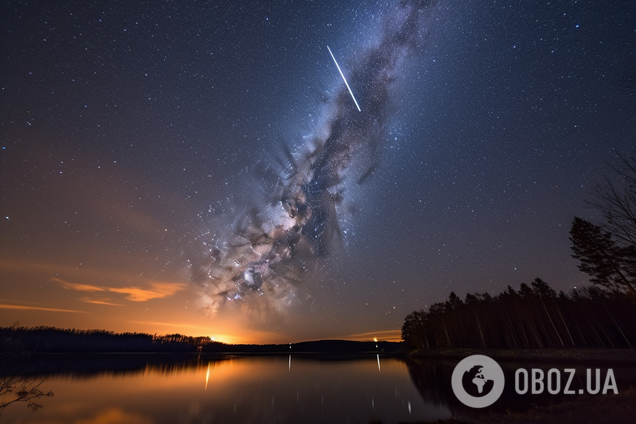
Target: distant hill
[318,346]
[57,340]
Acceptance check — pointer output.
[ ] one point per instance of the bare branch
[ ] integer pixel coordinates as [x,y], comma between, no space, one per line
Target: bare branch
[22,389]
[616,200]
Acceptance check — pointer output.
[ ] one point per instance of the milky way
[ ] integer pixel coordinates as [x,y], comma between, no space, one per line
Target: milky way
[260,260]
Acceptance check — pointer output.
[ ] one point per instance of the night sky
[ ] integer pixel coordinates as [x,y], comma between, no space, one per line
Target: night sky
[202,168]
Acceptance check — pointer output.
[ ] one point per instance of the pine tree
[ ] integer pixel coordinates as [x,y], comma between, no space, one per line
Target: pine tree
[600,258]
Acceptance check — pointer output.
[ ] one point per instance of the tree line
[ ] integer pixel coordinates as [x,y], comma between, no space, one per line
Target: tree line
[535,316]
[52,339]
[601,315]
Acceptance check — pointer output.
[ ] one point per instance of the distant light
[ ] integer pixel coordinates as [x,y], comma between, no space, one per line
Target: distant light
[375,339]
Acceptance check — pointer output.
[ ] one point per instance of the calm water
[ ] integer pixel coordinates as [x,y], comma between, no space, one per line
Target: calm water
[147,389]
[237,390]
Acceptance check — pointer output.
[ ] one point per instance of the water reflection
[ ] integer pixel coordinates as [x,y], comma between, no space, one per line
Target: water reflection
[433,381]
[215,389]
[207,377]
[235,389]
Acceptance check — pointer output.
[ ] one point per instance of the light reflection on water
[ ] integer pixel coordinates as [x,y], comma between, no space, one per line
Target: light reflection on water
[239,390]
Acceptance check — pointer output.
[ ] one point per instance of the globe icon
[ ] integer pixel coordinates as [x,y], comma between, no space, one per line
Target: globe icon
[478,381]
[475,383]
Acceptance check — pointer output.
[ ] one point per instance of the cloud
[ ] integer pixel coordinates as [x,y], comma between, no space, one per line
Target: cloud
[76,286]
[158,291]
[136,294]
[101,302]
[37,308]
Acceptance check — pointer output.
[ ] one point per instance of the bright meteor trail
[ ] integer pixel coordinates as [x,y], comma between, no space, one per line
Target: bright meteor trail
[280,234]
[345,80]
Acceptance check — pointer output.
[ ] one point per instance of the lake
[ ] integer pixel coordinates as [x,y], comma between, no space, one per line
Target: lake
[271,389]
[140,389]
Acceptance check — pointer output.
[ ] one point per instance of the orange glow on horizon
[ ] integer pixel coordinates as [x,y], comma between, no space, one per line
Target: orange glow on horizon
[231,333]
[114,300]
[383,336]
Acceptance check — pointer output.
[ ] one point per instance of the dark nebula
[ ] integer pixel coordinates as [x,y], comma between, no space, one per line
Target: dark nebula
[277,241]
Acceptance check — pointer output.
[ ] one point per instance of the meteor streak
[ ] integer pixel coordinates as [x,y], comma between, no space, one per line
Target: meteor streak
[278,235]
[345,80]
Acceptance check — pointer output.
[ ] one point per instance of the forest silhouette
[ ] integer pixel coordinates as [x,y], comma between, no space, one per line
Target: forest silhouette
[597,316]
[535,316]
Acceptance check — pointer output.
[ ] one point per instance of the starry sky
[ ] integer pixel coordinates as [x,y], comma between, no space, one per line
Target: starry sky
[202,168]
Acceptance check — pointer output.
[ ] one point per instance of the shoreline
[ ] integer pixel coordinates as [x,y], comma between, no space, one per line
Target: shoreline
[569,355]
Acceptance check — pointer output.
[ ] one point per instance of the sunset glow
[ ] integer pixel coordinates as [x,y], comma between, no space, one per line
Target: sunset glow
[185,169]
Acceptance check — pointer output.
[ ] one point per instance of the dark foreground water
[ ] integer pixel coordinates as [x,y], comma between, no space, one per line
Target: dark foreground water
[140,389]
